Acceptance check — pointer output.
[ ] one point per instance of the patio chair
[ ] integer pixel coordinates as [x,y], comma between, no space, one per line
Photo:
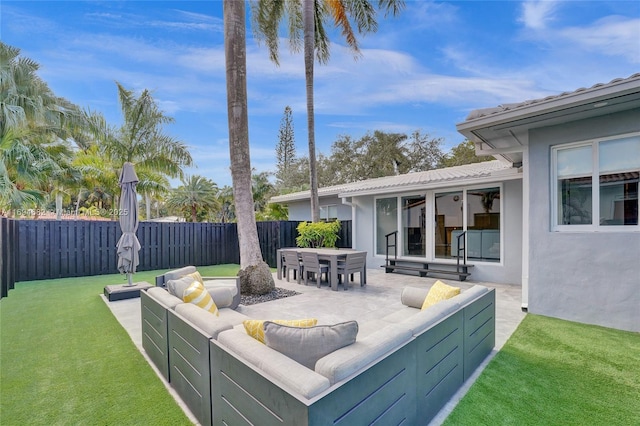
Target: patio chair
[354,264]
[292,263]
[312,264]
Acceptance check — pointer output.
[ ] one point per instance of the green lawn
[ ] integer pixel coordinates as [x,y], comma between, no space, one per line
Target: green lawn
[65,360]
[555,372]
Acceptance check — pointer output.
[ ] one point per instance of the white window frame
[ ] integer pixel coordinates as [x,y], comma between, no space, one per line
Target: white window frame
[327,208]
[430,225]
[595,189]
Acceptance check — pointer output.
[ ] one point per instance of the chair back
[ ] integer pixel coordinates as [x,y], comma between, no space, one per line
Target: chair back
[291,259]
[355,262]
[310,261]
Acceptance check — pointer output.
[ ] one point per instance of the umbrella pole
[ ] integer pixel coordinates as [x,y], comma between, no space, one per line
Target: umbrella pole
[130,279]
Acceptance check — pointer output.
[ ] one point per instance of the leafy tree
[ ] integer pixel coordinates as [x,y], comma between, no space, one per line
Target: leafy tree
[463,153]
[285,151]
[226,211]
[308,17]
[424,153]
[255,276]
[194,198]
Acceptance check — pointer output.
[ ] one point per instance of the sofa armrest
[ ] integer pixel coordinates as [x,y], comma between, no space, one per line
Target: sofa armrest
[413,296]
[163,297]
[283,369]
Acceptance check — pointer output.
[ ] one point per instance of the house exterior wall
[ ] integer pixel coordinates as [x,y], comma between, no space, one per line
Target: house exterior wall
[509,271]
[301,210]
[589,277]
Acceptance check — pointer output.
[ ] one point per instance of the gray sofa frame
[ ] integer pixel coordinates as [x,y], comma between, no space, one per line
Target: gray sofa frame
[406,386]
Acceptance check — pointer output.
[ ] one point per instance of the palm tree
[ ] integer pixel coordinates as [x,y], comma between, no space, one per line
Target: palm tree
[197,196]
[309,17]
[141,140]
[33,122]
[255,275]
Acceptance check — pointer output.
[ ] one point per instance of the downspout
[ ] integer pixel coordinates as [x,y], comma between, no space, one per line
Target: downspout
[353,221]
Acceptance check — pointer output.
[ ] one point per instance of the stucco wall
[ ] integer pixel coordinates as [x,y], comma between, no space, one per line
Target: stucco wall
[302,210]
[509,272]
[590,277]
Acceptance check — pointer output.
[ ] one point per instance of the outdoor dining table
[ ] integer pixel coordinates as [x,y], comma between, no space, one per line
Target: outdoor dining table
[332,255]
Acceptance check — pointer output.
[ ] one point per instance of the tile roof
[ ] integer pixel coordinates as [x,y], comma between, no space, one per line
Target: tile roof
[422,179]
[484,112]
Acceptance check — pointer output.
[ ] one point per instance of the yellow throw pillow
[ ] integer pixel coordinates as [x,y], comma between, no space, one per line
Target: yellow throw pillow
[255,328]
[439,292]
[199,296]
[196,276]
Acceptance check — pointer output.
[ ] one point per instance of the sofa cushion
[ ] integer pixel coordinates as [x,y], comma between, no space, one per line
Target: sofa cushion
[308,345]
[424,319]
[199,296]
[255,328]
[439,292]
[230,283]
[343,362]
[163,297]
[231,316]
[179,285]
[179,273]
[281,368]
[222,296]
[204,320]
[413,296]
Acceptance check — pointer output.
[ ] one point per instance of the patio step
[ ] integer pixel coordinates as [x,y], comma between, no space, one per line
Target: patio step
[425,268]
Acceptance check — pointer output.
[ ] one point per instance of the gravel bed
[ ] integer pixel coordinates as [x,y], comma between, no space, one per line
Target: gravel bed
[278,293]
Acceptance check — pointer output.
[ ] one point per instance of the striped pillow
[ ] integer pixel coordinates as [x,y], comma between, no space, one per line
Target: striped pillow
[196,276]
[199,296]
[255,328]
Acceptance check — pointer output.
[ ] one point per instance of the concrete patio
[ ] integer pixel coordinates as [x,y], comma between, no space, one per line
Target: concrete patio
[378,298]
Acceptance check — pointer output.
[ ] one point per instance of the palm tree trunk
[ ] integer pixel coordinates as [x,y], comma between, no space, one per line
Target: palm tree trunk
[58,205]
[308,15]
[236,69]
[147,200]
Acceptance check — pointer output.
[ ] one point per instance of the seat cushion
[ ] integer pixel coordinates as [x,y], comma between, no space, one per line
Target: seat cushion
[439,292]
[255,328]
[205,321]
[308,345]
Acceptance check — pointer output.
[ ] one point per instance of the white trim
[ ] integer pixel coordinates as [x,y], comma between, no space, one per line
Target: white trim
[526,180]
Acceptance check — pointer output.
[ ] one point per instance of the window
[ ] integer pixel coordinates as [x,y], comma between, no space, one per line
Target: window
[481,207]
[413,226]
[329,213]
[597,184]
[386,222]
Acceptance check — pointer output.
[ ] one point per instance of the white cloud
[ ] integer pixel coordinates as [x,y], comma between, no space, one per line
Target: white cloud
[536,13]
[612,36]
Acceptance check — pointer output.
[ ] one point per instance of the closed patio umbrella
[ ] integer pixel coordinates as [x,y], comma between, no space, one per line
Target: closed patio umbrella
[128,245]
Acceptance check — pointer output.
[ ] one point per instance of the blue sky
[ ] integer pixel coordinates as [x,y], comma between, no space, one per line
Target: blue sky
[425,70]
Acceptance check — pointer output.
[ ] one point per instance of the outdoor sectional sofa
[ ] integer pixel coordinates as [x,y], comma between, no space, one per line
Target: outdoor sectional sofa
[401,369]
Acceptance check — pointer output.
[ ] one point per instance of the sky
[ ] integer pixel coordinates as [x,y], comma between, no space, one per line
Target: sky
[423,70]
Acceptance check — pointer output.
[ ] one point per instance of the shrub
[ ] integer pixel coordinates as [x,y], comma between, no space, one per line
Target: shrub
[318,234]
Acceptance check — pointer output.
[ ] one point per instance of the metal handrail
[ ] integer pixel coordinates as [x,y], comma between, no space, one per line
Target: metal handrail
[461,248]
[394,245]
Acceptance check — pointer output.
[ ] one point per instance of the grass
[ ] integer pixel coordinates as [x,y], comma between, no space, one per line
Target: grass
[64,358]
[555,372]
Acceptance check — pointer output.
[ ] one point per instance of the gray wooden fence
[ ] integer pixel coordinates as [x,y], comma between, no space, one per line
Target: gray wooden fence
[59,249]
